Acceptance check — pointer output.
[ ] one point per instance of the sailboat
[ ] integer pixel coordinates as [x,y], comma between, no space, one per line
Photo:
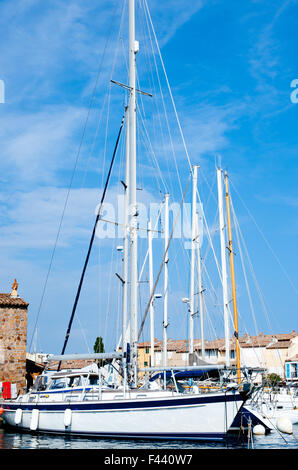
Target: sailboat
[81,403]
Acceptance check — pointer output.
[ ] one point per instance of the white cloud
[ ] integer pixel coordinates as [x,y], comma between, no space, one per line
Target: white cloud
[170,16]
[32,219]
[36,145]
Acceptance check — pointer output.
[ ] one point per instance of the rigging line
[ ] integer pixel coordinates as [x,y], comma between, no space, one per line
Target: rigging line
[112,263]
[255,280]
[74,170]
[161,94]
[173,104]
[168,84]
[123,225]
[172,99]
[108,97]
[151,152]
[94,141]
[147,252]
[266,241]
[92,239]
[209,187]
[214,231]
[258,288]
[150,149]
[109,93]
[83,334]
[213,251]
[237,229]
[162,262]
[209,321]
[149,74]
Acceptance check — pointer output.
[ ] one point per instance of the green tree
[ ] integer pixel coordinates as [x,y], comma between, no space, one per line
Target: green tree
[273,379]
[99,348]
[98,345]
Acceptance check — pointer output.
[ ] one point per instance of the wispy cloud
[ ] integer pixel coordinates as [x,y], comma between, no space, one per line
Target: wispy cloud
[31,220]
[172,15]
[265,57]
[37,145]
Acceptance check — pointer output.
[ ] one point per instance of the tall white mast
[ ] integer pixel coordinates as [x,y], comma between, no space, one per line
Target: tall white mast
[125,339]
[150,291]
[200,285]
[133,49]
[192,260]
[223,264]
[165,297]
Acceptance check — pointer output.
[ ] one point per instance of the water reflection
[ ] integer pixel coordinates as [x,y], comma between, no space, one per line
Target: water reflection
[12,440]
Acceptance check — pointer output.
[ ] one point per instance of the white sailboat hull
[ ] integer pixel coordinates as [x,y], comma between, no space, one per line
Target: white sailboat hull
[174,417]
[276,405]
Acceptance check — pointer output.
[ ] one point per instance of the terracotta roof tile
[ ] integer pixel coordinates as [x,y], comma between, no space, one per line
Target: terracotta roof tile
[276,341]
[6,300]
[77,364]
[279,345]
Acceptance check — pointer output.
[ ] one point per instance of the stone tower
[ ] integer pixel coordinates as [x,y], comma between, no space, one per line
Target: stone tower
[13,338]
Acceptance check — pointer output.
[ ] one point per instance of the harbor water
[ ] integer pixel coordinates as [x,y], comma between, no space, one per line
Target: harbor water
[274,440]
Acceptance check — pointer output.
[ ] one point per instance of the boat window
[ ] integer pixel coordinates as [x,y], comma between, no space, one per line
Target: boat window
[75,381]
[93,380]
[40,383]
[57,384]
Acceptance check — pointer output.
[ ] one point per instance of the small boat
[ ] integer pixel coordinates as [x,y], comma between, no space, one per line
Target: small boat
[274,404]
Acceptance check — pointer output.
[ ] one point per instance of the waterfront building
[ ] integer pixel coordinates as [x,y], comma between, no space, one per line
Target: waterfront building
[271,352]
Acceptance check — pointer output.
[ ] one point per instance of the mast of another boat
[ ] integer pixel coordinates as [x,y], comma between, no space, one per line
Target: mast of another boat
[200,284]
[192,259]
[236,333]
[223,265]
[150,259]
[133,236]
[165,296]
[125,332]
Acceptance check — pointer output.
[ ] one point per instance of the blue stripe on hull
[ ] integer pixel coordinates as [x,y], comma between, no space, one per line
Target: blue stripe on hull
[122,405]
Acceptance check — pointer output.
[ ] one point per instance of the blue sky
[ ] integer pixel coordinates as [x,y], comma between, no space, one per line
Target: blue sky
[230,65]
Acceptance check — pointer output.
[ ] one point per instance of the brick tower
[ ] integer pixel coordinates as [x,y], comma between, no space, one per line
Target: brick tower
[13,338]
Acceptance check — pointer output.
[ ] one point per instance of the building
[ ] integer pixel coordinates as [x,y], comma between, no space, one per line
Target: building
[276,353]
[292,369]
[291,363]
[13,338]
[268,351]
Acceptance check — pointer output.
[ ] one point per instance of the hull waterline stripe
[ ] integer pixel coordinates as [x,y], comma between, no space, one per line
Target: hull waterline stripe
[183,436]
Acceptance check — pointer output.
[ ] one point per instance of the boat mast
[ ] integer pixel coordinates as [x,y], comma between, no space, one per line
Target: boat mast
[150,290]
[133,236]
[223,265]
[233,281]
[192,260]
[165,297]
[200,286]
[125,339]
